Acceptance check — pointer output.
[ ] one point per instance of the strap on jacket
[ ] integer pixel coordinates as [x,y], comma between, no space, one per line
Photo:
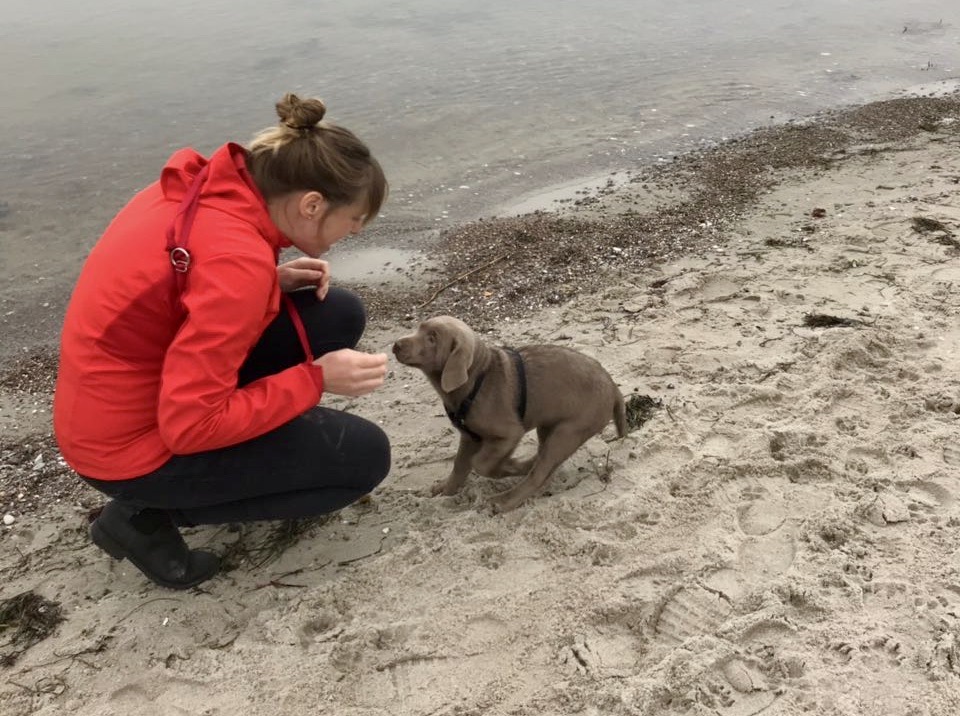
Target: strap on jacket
[180,255]
[177,249]
[298,325]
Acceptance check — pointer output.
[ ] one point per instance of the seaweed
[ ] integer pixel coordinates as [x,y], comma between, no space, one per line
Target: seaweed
[640,408]
[25,620]
[924,225]
[823,320]
[791,243]
[269,547]
[947,241]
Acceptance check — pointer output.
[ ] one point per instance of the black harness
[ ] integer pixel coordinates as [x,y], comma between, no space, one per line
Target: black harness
[459,416]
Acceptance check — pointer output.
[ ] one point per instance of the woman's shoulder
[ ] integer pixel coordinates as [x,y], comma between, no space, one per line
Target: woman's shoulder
[216,233]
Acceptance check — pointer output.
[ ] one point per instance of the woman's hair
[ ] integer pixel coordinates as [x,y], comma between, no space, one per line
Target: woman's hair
[304,153]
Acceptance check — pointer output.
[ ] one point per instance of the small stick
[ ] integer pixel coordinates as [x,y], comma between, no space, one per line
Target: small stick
[460,278]
[149,601]
[377,551]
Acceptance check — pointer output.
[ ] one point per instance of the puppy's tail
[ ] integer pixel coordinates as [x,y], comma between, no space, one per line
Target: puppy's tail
[620,416]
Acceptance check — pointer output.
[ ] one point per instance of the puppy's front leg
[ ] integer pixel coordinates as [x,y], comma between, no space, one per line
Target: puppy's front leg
[512,467]
[461,467]
[493,457]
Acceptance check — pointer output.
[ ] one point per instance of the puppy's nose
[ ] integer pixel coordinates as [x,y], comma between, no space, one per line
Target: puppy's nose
[396,348]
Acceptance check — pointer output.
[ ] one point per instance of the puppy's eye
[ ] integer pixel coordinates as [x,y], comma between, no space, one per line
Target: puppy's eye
[431,337]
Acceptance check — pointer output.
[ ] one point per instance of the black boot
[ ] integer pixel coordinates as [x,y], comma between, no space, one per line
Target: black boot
[149,539]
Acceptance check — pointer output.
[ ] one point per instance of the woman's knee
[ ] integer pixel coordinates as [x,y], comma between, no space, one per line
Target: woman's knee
[347,450]
[337,321]
[351,312]
[377,457]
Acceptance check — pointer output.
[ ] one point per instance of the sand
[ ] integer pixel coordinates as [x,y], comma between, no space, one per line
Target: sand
[782,536]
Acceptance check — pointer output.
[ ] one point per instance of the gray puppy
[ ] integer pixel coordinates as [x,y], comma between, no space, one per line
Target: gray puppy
[494,396]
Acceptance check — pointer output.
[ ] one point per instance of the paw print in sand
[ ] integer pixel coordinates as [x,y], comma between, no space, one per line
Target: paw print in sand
[492,556]
[861,572]
[881,649]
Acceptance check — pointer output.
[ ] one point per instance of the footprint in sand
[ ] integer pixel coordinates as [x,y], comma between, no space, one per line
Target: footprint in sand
[770,547]
[949,275]
[691,610]
[763,651]
[604,653]
[925,497]
[951,454]
[761,517]
[744,489]
[767,556]
[717,445]
[706,289]
[769,632]
[164,695]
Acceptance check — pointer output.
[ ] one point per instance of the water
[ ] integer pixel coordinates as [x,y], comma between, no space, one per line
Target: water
[473,108]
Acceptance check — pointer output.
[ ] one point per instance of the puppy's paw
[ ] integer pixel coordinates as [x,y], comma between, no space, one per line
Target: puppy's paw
[443,487]
[504,503]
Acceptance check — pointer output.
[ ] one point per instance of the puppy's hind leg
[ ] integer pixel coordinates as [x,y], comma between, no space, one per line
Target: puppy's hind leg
[556,445]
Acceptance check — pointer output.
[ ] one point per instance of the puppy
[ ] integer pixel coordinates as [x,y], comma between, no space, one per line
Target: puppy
[494,396]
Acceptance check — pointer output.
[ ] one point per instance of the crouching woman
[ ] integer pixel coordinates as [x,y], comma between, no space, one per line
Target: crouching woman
[192,364]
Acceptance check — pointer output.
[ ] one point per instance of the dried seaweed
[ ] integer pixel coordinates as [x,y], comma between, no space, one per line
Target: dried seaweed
[925,225]
[823,320]
[947,241]
[640,408]
[25,620]
[256,549]
[791,243]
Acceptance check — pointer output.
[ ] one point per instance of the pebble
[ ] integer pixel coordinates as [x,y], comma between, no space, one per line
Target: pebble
[9,519]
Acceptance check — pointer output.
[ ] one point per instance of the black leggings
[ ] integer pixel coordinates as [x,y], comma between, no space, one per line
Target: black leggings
[318,462]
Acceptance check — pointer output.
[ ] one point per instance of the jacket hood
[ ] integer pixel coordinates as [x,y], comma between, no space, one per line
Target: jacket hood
[228,187]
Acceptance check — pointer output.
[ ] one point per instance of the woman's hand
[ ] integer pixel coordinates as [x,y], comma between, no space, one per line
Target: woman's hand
[302,272]
[352,373]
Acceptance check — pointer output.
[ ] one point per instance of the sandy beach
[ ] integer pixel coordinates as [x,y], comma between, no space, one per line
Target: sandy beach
[780,535]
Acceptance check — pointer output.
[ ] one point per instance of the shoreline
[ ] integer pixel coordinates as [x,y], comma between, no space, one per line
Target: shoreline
[680,206]
[417,236]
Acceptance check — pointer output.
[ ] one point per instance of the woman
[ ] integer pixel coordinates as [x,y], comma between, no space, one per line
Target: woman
[191,364]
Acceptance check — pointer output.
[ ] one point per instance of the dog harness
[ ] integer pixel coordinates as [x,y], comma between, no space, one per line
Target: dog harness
[459,416]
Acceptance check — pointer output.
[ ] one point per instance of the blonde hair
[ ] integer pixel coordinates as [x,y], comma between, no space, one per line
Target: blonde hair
[304,153]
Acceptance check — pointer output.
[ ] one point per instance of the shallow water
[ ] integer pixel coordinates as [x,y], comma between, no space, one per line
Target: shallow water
[472,108]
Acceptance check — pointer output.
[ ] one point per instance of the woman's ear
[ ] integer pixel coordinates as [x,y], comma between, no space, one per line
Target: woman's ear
[312,204]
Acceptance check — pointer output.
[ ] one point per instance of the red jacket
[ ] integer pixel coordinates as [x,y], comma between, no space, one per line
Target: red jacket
[139,381]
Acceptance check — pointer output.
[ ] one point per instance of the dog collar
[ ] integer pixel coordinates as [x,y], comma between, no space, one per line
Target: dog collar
[459,416]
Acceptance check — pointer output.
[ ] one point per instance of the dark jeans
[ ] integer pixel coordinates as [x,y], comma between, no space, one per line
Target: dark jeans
[318,462]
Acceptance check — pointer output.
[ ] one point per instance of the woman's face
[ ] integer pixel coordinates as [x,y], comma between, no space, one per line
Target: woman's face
[312,224]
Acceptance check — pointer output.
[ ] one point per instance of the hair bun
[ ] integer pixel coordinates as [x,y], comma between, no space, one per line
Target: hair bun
[299,113]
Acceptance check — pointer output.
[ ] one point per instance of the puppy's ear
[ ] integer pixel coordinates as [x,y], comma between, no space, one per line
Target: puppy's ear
[458,363]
